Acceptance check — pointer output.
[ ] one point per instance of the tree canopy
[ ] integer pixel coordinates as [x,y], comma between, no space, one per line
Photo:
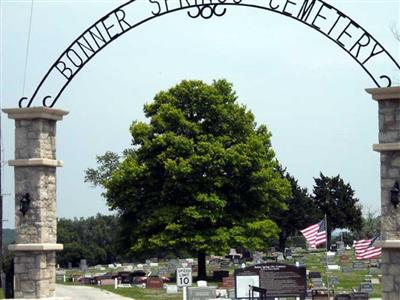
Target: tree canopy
[201,175]
[300,203]
[336,199]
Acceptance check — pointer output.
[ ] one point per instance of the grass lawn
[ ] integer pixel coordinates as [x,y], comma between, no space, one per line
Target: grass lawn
[1,294]
[143,294]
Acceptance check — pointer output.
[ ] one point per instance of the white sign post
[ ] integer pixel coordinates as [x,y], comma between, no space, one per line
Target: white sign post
[184,279]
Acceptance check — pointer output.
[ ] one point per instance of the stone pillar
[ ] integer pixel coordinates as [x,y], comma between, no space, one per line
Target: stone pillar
[389,148]
[35,174]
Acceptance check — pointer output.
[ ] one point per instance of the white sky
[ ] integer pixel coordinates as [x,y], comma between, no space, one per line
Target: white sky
[305,88]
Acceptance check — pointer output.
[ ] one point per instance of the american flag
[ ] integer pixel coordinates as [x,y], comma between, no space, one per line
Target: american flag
[315,234]
[365,249]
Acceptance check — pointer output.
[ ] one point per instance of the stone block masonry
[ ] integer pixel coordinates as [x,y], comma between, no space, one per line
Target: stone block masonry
[35,174]
[389,149]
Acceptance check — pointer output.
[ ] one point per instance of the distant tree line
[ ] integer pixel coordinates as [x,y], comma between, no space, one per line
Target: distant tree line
[93,239]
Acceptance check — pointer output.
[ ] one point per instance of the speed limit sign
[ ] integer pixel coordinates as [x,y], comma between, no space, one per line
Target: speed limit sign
[183,277]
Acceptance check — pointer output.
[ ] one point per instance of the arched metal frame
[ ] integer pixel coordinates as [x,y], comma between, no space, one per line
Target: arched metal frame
[204,9]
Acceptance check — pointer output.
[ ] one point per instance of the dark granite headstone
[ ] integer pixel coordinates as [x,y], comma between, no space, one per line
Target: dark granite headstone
[359,296]
[201,293]
[218,275]
[343,297]
[314,275]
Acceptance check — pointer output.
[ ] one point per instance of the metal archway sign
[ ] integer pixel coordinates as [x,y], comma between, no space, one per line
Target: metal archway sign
[317,14]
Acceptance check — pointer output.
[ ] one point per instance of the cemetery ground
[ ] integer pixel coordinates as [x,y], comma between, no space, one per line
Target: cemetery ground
[1,294]
[349,278]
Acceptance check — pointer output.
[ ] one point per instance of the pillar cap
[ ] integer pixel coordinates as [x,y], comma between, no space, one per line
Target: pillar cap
[35,162]
[386,147]
[35,247]
[40,112]
[393,244]
[388,93]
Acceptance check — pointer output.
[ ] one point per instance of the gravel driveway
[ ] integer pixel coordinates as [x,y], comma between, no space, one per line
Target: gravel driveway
[85,293]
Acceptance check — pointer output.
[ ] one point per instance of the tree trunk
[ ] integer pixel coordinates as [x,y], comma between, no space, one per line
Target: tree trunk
[328,238]
[282,242]
[201,261]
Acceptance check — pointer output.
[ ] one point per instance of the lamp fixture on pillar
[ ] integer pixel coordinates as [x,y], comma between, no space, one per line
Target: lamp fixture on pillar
[394,195]
[24,203]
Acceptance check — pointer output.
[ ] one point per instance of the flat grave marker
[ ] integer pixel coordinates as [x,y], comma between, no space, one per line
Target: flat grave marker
[201,293]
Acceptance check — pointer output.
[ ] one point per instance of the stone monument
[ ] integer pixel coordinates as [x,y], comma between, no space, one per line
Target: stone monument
[389,148]
[35,166]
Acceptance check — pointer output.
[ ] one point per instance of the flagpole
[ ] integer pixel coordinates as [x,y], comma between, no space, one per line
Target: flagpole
[326,258]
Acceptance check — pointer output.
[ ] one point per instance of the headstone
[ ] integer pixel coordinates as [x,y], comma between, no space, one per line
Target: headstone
[280,256]
[358,265]
[347,269]
[333,267]
[171,289]
[227,283]
[218,275]
[366,287]
[224,265]
[359,296]
[333,280]
[83,265]
[375,281]
[314,275]
[163,271]
[317,282]
[201,283]
[288,253]
[375,271]
[201,293]
[153,265]
[195,268]
[154,282]
[343,297]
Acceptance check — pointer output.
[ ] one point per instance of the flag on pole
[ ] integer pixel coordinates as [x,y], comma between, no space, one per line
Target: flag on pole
[315,234]
[365,249]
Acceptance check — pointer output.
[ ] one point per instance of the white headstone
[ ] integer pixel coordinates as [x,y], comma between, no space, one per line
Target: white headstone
[201,283]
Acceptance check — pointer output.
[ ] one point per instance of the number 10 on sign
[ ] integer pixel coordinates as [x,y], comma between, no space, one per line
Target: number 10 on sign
[183,277]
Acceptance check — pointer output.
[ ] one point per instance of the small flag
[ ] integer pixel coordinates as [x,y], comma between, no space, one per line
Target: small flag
[315,234]
[365,249]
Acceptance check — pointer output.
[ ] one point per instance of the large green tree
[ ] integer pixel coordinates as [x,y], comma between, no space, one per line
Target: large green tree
[301,211]
[336,199]
[201,175]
